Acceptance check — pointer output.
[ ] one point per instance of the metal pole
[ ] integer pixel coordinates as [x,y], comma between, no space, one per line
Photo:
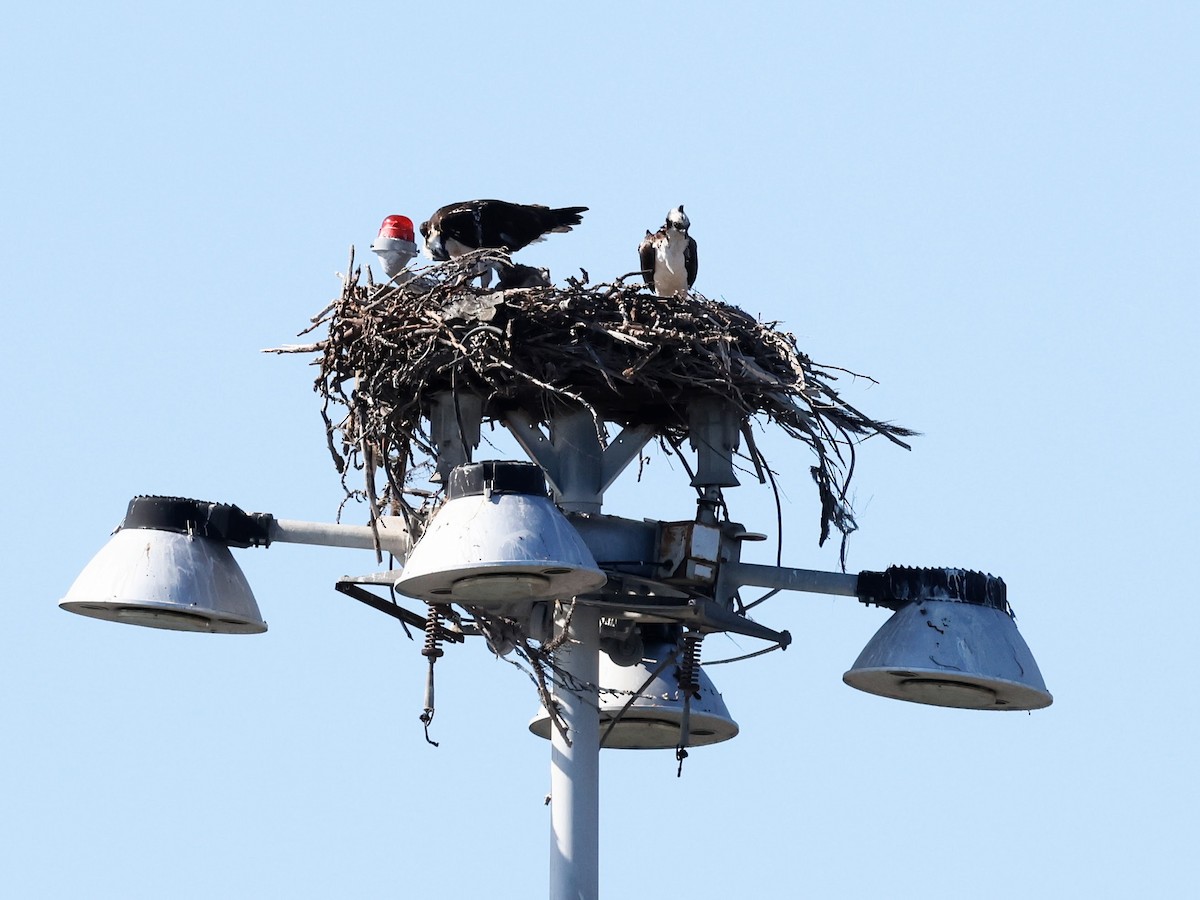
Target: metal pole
[391,532]
[787,579]
[575,769]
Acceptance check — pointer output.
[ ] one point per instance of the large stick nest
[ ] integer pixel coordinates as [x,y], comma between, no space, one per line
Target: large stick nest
[625,355]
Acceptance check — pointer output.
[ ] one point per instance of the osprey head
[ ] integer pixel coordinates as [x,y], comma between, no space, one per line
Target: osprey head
[434,245]
[677,219]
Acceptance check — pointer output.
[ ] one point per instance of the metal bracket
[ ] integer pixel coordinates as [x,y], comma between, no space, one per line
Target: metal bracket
[714,433]
[578,468]
[642,600]
[455,418]
[349,585]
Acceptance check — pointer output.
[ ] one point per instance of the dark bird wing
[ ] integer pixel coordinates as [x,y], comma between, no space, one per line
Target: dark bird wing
[646,257]
[498,223]
[515,225]
[461,222]
[691,260]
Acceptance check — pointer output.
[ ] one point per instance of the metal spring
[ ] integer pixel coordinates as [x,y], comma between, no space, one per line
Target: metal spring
[689,685]
[431,651]
[689,664]
[433,634]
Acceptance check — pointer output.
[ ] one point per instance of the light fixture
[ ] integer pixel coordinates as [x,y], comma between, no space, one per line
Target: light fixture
[653,719]
[952,641]
[169,566]
[498,542]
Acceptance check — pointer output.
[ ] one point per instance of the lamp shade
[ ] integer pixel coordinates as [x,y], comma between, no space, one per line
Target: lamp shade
[164,579]
[653,720]
[951,653]
[498,542]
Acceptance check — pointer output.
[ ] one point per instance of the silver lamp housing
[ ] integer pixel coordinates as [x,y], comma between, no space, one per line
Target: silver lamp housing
[951,641]
[654,719]
[169,566]
[499,542]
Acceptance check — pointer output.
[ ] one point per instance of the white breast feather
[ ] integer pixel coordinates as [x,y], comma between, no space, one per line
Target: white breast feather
[670,273]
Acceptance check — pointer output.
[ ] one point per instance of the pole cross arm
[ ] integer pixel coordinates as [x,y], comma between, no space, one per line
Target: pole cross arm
[893,588]
[739,574]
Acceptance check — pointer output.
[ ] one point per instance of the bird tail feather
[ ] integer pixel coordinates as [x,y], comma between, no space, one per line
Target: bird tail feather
[567,217]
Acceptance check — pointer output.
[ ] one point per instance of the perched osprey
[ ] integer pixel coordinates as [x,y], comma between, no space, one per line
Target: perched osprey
[462,227]
[395,245]
[668,256]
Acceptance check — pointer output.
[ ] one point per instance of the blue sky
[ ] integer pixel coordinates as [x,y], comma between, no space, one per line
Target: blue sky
[990,208]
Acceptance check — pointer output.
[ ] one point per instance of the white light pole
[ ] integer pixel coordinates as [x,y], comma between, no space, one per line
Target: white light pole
[575,766]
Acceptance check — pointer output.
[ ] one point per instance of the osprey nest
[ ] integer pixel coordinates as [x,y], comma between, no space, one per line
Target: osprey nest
[615,349]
